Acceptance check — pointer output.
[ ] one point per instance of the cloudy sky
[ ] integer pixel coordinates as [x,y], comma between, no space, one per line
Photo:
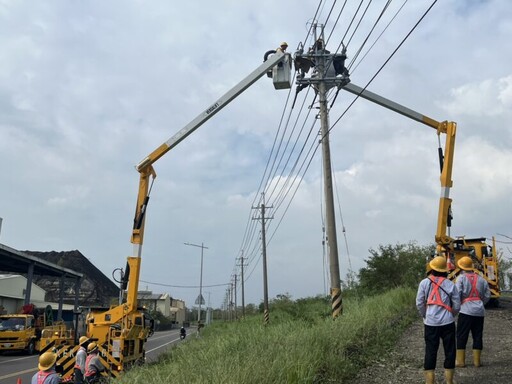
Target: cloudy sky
[89,88]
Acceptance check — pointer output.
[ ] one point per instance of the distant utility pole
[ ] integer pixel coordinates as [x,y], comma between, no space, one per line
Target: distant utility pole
[329,71]
[266,316]
[200,298]
[231,301]
[235,294]
[242,265]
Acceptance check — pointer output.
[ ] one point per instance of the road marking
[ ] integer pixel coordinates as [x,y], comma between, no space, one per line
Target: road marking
[18,373]
[163,345]
[21,358]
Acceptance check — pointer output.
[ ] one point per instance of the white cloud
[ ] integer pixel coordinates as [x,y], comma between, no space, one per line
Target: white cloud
[88,90]
[491,97]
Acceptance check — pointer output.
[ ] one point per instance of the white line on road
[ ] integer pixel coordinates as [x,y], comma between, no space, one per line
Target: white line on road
[21,358]
[18,373]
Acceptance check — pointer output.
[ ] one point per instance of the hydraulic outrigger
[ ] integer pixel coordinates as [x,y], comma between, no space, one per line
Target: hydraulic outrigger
[483,255]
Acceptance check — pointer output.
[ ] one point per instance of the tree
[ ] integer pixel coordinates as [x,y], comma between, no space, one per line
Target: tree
[394,265]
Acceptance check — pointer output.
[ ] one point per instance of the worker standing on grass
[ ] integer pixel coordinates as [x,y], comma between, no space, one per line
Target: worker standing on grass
[81,357]
[438,302]
[474,294]
[47,373]
[93,366]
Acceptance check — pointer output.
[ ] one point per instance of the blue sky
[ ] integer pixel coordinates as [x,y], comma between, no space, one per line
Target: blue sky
[88,89]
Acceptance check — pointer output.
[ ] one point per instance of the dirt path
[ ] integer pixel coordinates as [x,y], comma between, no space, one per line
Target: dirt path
[404,364]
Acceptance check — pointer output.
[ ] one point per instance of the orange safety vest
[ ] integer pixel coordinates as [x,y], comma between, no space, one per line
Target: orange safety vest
[434,298]
[88,371]
[41,377]
[474,295]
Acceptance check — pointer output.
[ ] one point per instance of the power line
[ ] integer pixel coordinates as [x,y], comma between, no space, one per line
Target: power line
[182,286]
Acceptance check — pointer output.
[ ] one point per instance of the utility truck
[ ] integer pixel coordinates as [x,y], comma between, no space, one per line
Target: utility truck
[122,330]
[481,250]
[32,330]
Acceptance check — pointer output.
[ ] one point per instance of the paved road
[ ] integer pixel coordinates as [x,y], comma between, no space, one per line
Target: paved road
[14,366]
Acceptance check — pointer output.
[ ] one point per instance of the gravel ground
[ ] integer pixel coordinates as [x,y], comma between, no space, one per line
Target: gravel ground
[404,364]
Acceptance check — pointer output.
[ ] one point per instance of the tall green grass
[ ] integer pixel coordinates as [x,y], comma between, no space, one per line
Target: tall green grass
[291,349]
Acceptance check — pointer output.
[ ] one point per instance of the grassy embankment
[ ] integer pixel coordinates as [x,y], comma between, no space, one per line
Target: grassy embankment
[300,345]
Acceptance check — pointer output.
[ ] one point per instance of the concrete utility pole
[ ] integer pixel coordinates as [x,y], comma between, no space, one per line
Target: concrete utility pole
[235,295]
[329,72]
[242,282]
[231,301]
[266,315]
[200,297]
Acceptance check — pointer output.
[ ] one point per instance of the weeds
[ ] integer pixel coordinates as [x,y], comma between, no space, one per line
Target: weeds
[298,346]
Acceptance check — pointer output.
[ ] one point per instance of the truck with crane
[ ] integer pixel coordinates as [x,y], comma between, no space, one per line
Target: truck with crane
[32,330]
[335,75]
[481,250]
[122,330]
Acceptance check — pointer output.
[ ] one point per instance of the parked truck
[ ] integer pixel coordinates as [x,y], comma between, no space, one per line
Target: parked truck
[32,330]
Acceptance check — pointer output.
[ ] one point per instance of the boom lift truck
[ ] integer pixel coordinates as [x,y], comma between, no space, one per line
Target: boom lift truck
[483,254]
[121,331]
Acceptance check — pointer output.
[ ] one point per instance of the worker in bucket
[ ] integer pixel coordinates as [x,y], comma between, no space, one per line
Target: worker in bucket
[93,366]
[438,302]
[474,294]
[81,357]
[47,373]
[282,47]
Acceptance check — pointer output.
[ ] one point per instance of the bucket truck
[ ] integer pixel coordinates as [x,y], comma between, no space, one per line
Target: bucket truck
[121,331]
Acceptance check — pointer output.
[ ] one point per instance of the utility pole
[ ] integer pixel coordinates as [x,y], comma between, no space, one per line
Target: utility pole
[200,297]
[242,283]
[266,315]
[329,72]
[235,295]
[231,301]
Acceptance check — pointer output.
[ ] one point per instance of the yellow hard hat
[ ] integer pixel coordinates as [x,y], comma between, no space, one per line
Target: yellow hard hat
[438,264]
[83,339]
[46,361]
[284,44]
[92,347]
[465,263]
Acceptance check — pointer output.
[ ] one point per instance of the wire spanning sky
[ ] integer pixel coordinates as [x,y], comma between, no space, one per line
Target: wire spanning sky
[88,89]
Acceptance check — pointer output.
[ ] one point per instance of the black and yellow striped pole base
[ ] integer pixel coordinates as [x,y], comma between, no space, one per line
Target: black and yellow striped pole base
[336,302]
[266,317]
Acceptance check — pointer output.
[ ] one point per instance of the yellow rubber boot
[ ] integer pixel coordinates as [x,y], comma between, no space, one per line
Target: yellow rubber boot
[430,377]
[460,359]
[448,375]
[476,357]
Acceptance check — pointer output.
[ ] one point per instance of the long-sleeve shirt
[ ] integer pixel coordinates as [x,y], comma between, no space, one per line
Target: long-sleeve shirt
[436,315]
[93,366]
[45,377]
[81,355]
[473,307]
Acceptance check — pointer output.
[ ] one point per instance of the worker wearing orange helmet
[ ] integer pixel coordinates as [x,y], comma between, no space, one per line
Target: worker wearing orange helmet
[47,373]
[474,294]
[438,302]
